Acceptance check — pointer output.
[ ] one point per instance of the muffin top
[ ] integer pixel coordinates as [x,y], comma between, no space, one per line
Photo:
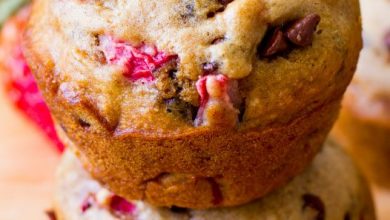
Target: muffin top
[173,66]
[369,95]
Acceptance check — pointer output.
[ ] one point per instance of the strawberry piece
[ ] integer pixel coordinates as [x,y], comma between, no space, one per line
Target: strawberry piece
[138,62]
[213,90]
[105,199]
[88,202]
[121,206]
[20,84]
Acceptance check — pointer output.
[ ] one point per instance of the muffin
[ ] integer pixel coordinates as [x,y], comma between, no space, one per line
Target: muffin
[324,191]
[364,124]
[197,104]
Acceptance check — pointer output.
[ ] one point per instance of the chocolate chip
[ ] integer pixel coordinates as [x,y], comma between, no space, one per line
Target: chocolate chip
[313,202]
[387,41]
[275,43]
[83,123]
[210,14]
[172,73]
[281,39]
[225,2]
[51,215]
[176,209]
[301,32]
[347,216]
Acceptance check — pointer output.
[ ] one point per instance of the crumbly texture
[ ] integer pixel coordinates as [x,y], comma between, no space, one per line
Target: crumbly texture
[324,191]
[254,135]
[364,123]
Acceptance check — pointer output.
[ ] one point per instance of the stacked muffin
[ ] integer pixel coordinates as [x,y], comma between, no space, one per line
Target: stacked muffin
[206,108]
[364,124]
[330,188]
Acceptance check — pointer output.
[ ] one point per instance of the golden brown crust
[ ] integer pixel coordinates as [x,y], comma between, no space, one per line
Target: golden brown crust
[139,150]
[186,171]
[323,191]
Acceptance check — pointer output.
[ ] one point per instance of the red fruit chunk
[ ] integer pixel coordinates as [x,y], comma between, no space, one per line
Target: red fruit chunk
[87,203]
[138,62]
[107,200]
[211,87]
[121,206]
[24,92]
[201,86]
[20,84]
[216,190]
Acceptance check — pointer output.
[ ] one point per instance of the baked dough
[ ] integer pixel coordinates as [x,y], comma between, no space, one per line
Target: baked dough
[194,103]
[331,188]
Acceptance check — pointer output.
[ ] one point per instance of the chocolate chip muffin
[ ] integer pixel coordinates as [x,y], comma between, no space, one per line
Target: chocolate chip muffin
[364,124]
[324,191]
[194,103]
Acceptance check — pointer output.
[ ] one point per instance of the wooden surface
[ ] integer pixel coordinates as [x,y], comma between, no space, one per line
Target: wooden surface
[27,165]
